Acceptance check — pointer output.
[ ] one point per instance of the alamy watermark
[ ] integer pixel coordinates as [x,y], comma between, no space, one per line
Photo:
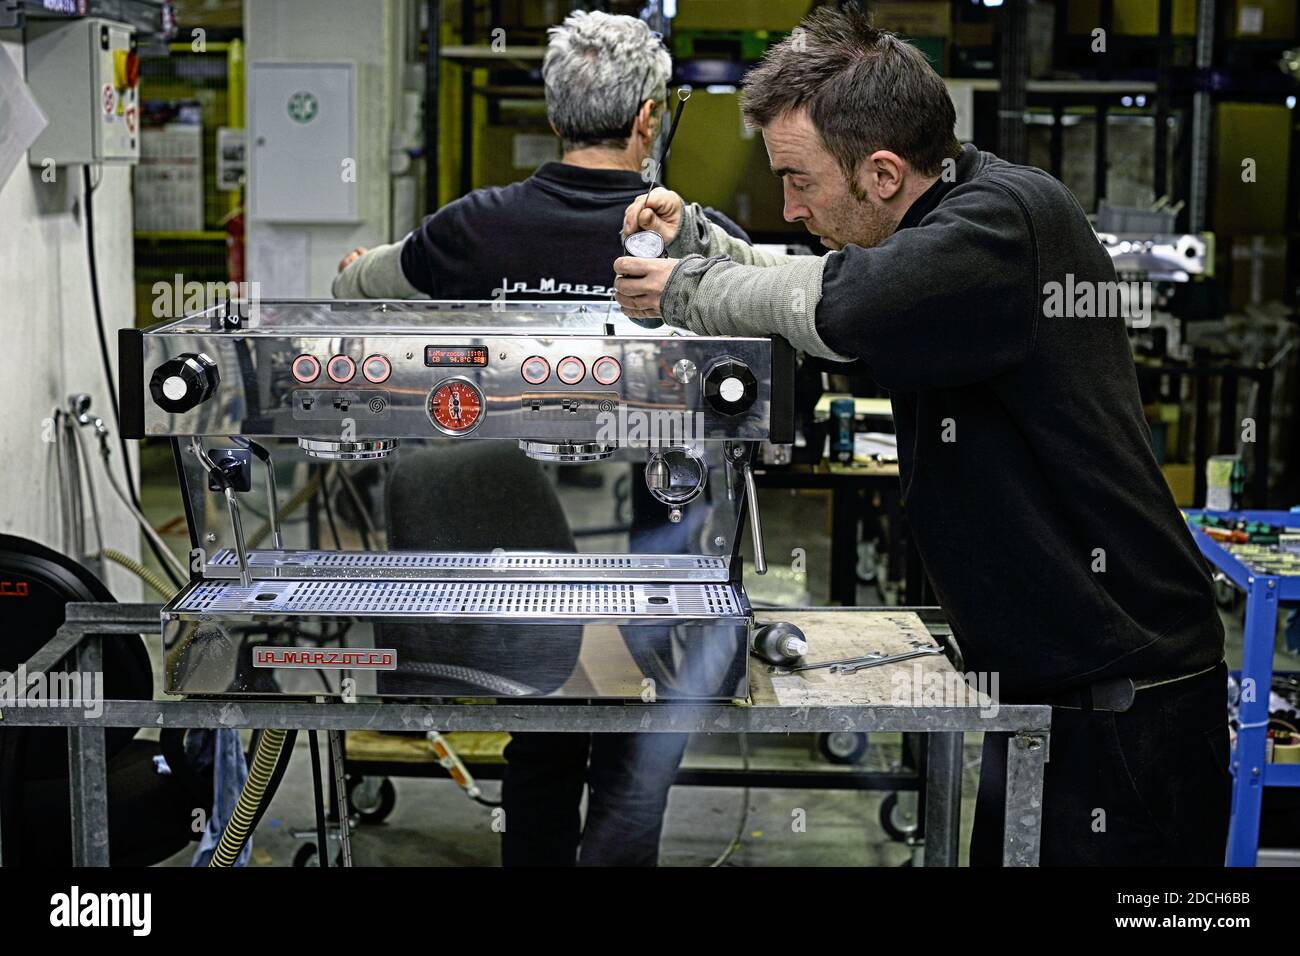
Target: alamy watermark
[655,428]
[178,298]
[75,909]
[53,689]
[1084,299]
[945,688]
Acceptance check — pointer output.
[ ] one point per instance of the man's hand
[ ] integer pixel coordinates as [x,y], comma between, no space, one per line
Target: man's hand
[660,212]
[352,257]
[639,284]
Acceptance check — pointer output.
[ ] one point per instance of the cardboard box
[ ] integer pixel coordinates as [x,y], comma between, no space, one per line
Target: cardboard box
[1263,20]
[1132,17]
[1251,167]
[1182,482]
[973,34]
[730,15]
[1258,271]
[914,18]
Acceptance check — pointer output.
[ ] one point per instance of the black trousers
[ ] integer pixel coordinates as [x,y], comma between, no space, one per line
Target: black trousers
[628,777]
[1148,786]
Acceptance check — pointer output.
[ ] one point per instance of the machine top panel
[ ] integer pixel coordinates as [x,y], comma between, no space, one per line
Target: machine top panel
[376,317]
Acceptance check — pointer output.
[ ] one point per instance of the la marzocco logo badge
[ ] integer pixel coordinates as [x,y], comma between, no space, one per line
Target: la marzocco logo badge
[350,658]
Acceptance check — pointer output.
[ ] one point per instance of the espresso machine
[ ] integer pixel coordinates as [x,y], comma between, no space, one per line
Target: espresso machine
[461,408]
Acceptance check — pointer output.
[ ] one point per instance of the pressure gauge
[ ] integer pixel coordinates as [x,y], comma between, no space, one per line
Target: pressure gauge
[455,406]
[645,244]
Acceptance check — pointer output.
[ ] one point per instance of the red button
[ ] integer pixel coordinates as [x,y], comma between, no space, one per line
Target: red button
[536,370]
[606,370]
[305,368]
[341,369]
[376,369]
[571,371]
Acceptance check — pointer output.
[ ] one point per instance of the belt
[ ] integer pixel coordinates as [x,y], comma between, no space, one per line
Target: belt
[1116,694]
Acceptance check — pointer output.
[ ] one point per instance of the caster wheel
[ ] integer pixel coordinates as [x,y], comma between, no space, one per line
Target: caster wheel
[308,856]
[373,807]
[897,821]
[842,748]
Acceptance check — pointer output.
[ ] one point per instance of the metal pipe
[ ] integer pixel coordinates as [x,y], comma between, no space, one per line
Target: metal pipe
[755,523]
[341,789]
[273,509]
[237,528]
[1198,188]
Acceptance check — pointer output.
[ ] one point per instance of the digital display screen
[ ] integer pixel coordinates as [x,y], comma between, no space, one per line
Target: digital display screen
[455,356]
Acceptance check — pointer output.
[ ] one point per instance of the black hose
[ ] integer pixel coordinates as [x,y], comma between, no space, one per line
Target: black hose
[108,369]
[264,776]
[329,511]
[280,767]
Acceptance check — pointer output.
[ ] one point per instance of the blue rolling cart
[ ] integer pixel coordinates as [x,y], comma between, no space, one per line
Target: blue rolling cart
[1265,591]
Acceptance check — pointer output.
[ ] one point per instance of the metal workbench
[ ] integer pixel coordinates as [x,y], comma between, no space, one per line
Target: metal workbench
[81,637]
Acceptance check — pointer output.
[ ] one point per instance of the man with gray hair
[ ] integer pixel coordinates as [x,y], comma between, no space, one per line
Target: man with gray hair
[553,236]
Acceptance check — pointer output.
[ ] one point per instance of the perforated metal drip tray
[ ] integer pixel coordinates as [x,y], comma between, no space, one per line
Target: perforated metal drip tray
[444,565]
[496,599]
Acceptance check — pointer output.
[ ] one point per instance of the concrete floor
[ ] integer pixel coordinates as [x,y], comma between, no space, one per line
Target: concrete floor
[435,824]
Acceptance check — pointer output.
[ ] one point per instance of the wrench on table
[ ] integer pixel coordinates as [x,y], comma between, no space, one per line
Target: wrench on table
[785,671]
[848,668]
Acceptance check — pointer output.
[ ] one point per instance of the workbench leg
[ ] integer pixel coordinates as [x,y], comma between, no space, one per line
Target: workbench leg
[1252,721]
[845,513]
[88,772]
[1023,823]
[943,798]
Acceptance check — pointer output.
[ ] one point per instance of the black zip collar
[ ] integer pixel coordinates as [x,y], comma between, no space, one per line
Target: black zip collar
[967,164]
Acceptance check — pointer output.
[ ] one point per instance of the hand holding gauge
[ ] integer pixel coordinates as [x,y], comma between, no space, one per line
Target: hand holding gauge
[647,243]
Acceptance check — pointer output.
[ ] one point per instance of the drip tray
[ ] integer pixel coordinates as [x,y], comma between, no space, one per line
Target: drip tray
[498,599]
[442,565]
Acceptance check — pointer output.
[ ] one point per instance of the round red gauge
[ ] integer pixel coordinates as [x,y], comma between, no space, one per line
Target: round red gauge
[455,406]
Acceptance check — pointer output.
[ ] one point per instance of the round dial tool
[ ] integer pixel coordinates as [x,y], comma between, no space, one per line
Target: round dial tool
[730,387]
[644,244]
[455,406]
[179,384]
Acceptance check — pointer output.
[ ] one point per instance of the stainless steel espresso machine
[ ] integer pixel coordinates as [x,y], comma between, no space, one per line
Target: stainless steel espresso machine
[457,403]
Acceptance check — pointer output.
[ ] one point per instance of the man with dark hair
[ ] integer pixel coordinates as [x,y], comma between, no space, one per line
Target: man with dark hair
[1031,488]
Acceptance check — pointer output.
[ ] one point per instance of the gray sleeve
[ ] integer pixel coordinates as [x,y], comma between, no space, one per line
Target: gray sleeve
[375,275]
[697,235]
[717,297]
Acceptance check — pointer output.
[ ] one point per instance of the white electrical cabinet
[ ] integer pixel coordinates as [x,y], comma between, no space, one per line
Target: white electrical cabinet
[85,76]
[302,149]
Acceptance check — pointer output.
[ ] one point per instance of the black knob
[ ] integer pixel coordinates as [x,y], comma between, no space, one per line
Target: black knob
[730,387]
[181,383]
